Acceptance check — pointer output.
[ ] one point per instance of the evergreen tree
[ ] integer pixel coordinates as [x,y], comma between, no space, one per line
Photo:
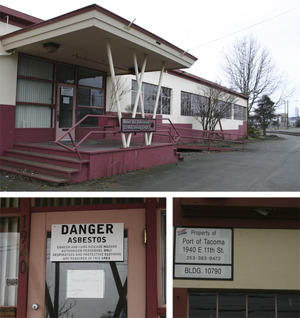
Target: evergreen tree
[265,112]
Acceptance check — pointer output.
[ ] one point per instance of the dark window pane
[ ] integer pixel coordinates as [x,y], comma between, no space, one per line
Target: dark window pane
[232,305]
[90,97]
[90,121]
[66,74]
[90,78]
[288,305]
[202,305]
[261,305]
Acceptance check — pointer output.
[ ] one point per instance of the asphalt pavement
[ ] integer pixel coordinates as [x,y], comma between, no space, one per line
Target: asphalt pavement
[266,165]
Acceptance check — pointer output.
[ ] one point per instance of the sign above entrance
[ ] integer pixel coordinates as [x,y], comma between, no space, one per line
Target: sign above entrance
[134,125]
[203,253]
[100,242]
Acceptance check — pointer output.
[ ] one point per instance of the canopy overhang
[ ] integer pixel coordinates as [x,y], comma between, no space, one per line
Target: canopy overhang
[82,35]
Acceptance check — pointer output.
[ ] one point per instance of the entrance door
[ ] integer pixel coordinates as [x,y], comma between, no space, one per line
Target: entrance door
[87,288]
[66,108]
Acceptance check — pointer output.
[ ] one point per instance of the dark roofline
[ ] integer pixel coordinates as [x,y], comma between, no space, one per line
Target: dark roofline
[106,12]
[205,82]
[17,18]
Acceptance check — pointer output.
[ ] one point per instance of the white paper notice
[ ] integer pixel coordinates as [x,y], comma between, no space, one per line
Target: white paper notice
[66,100]
[85,284]
[66,91]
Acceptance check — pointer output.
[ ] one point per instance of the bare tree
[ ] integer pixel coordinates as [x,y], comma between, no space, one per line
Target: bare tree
[211,105]
[251,71]
[119,91]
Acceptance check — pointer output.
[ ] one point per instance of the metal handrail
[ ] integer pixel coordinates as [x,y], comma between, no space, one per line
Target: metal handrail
[175,137]
[75,146]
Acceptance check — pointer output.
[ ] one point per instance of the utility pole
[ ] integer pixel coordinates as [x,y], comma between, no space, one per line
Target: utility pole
[287,114]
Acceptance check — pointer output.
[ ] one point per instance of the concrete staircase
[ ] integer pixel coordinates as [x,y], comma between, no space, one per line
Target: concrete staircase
[44,164]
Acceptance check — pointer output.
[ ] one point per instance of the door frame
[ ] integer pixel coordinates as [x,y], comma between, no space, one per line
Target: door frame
[134,221]
[61,131]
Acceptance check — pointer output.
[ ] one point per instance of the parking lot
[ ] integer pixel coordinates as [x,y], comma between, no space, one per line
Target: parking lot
[272,164]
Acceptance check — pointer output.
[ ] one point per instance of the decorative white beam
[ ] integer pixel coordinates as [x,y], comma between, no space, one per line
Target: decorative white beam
[139,81]
[115,88]
[157,97]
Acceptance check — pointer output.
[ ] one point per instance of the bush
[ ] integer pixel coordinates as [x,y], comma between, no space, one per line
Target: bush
[253,132]
[298,123]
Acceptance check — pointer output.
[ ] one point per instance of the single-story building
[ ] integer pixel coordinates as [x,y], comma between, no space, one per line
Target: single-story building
[83,257]
[67,111]
[236,257]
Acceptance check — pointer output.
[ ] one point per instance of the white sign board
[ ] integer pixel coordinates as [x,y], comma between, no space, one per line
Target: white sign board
[87,242]
[203,253]
[85,284]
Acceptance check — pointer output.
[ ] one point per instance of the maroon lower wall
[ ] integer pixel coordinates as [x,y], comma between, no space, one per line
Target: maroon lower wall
[34,134]
[7,127]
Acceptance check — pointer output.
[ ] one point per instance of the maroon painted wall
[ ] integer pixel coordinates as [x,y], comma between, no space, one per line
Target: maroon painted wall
[7,127]
[34,134]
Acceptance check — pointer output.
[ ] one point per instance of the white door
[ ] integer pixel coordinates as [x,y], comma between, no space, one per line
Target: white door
[118,288]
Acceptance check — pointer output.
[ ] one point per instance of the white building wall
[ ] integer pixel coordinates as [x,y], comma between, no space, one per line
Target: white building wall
[8,69]
[8,77]
[177,84]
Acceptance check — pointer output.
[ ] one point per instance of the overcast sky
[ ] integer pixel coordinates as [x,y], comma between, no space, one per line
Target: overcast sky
[195,25]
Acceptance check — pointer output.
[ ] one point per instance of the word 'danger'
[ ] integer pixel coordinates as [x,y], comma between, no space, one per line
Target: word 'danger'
[87,242]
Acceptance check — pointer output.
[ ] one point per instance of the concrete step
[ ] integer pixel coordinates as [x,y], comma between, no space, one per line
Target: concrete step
[39,167]
[45,158]
[39,176]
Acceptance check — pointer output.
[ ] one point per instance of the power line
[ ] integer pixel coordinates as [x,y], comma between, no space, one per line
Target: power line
[246,28]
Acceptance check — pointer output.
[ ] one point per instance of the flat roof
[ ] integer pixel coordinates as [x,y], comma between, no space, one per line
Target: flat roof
[17,18]
[205,82]
[81,36]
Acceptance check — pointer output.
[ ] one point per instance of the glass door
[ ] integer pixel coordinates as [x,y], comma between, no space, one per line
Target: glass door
[86,289]
[65,109]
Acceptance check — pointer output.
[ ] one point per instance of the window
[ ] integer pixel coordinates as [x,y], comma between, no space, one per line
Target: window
[243,304]
[90,95]
[225,109]
[9,255]
[191,104]
[149,92]
[66,74]
[202,305]
[61,298]
[240,112]
[34,93]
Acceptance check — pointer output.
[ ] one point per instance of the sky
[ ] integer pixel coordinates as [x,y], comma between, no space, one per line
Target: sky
[205,28]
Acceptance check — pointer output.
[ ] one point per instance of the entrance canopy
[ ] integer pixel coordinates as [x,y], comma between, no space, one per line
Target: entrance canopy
[80,37]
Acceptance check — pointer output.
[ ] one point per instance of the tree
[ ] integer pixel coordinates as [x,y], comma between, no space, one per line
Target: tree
[211,105]
[265,112]
[251,71]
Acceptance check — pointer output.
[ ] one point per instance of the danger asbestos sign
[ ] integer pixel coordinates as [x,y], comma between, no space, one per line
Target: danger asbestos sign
[87,242]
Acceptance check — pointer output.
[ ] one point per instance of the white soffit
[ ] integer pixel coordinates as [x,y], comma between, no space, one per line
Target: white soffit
[81,36]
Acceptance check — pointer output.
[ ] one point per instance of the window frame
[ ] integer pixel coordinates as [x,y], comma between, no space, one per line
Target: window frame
[246,294]
[20,77]
[148,94]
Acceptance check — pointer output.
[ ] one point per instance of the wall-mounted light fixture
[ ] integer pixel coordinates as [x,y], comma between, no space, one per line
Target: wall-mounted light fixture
[51,47]
[265,211]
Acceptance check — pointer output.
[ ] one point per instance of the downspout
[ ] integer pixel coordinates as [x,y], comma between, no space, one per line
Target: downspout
[3,52]
[6,53]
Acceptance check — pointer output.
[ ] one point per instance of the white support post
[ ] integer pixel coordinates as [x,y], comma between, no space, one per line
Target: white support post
[157,97]
[139,81]
[115,88]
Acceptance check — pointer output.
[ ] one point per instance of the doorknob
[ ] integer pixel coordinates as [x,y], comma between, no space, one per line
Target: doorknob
[35,306]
